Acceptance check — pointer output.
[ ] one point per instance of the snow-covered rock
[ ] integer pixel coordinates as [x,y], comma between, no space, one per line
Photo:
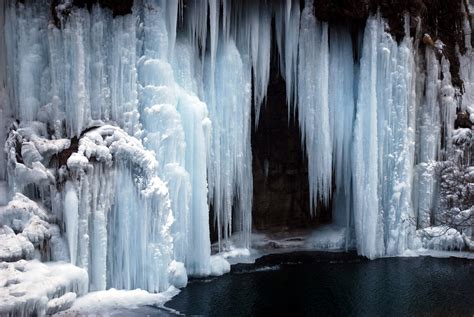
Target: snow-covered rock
[441,238]
[24,227]
[177,274]
[30,288]
[219,265]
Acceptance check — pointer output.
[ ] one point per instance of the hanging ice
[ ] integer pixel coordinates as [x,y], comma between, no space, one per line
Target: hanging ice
[313,104]
[342,108]
[230,170]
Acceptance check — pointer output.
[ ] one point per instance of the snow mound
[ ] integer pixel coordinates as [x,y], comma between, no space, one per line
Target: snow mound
[28,151]
[23,226]
[103,301]
[32,288]
[219,265]
[462,136]
[177,274]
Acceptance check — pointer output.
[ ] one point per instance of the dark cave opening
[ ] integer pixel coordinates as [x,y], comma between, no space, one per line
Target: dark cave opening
[279,165]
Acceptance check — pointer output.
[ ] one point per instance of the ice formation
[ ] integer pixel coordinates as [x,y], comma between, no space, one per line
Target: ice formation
[127,137]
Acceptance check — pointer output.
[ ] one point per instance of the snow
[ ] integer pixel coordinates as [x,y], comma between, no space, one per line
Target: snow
[35,288]
[219,265]
[23,227]
[104,301]
[14,247]
[441,238]
[177,274]
[61,303]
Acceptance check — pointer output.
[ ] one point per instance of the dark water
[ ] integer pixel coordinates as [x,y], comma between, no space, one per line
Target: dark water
[309,285]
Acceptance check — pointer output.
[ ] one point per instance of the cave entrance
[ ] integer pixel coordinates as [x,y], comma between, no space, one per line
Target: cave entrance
[280,167]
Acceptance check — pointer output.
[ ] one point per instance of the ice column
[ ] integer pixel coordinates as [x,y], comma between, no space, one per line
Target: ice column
[342,108]
[71,213]
[230,170]
[287,28]
[396,111]
[428,144]
[27,57]
[176,128]
[313,104]
[4,108]
[367,218]
[384,137]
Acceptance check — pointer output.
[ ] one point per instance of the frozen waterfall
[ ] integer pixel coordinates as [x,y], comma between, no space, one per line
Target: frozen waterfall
[133,132]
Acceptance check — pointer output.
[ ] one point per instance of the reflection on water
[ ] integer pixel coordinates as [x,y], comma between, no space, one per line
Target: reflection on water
[385,287]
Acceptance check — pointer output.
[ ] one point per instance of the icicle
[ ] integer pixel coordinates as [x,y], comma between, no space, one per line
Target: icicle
[71,205]
[4,103]
[428,142]
[226,18]
[313,108]
[197,23]
[26,58]
[194,116]
[291,55]
[229,171]
[447,104]
[261,47]
[172,14]
[123,76]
